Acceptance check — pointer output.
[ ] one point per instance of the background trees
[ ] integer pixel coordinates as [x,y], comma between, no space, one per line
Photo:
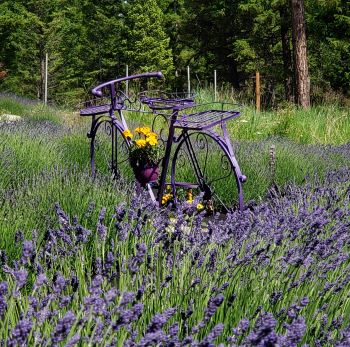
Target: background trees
[90,41]
[147,45]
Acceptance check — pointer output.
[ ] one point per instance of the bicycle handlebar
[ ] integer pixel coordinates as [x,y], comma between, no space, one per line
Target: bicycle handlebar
[97,90]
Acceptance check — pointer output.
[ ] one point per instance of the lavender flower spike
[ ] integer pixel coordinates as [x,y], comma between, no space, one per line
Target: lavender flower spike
[63,327]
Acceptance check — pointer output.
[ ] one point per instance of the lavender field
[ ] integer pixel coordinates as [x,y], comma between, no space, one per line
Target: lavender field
[95,263]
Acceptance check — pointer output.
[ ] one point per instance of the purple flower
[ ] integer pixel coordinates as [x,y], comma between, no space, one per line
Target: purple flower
[33,306]
[3,306]
[137,260]
[213,304]
[242,327]
[196,281]
[160,319]
[263,333]
[174,329]
[19,334]
[156,338]
[97,267]
[73,340]
[27,249]
[96,285]
[82,234]
[63,327]
[109,262]
[90,209]
[215,333]
[40,280]
[3,288]
[64,301]
[60,283]
[304,301]
[21,278]
[128,316]
[111,295]
[19,237]
[62,217]
[120,212]
[102,229]
[127,298]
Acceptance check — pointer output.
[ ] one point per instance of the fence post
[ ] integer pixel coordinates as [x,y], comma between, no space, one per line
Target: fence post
[127,82]
[214,85]
[46,74]
[188,82]
[257,91]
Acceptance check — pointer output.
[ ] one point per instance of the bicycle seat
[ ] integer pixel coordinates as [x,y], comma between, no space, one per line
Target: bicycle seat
[94,110]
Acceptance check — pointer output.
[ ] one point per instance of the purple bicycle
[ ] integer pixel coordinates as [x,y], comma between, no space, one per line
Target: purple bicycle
[198,158]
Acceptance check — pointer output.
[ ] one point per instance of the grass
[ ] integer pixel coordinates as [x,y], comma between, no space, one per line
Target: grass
[45,159]
[319,125]
[50,140]
[251,269]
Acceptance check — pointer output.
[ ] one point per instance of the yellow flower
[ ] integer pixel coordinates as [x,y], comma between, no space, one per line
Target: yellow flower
[200,207]
[145,130]
[166,198]
[127,133]
[152,134]
[140,143]
[151,140]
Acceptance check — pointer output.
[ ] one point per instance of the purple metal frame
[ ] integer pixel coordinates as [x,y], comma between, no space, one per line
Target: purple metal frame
[174,109]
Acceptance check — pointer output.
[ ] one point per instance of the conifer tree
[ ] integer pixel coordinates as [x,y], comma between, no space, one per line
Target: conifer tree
[147,43]
[20,35]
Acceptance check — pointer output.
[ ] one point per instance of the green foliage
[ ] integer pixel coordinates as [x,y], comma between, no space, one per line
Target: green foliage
[89,42]
[329,28]
[147,43]
[20,37]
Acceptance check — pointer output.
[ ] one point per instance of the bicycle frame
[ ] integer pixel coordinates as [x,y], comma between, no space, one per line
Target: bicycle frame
[170,109]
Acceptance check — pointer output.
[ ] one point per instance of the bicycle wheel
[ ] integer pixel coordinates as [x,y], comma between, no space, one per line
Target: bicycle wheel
[109,151]
[202,167]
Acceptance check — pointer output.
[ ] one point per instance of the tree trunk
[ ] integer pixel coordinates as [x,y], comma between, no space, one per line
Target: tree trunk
[287,54]
[301,70]
[41,84]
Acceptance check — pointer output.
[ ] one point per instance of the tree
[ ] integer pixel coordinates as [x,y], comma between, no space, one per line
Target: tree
[329,45]
[208,33]
[20,34]
[146,41]
[285,19]
[301,69]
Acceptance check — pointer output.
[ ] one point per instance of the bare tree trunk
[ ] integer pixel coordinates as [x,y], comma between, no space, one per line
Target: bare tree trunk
[41,85]
[287,53]
[301,69]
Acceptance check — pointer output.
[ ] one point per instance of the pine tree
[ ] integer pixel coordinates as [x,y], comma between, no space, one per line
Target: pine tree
[71,51]
[20,35]
[329,45]
[146,41]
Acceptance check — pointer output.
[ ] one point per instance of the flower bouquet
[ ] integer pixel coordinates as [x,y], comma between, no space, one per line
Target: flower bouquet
[144,154]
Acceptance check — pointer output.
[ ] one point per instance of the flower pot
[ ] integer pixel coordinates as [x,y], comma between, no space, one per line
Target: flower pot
[146,173]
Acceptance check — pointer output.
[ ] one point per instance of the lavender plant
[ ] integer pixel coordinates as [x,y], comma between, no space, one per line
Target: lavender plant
[276,274]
